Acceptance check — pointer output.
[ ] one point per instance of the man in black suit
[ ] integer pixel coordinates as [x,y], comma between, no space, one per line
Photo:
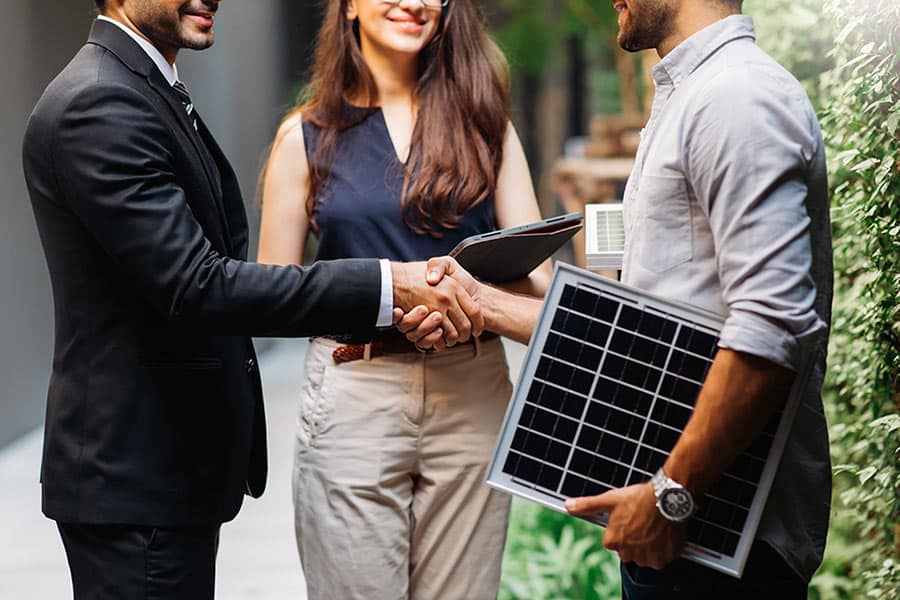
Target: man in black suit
[155,427]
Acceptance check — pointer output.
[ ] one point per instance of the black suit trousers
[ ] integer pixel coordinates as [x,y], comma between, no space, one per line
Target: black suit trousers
[121,562]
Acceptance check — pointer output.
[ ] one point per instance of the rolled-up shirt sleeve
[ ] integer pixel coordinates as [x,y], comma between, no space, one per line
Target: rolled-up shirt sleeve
[747,151]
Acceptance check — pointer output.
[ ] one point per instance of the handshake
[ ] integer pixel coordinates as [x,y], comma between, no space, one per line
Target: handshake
[439,304]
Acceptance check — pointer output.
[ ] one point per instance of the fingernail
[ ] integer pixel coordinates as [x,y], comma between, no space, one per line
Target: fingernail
[435,318]
[421,310]
[571,504]
[433,275]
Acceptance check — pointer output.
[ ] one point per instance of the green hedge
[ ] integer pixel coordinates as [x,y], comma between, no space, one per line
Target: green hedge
[847,55]
[861,121]
[552,556]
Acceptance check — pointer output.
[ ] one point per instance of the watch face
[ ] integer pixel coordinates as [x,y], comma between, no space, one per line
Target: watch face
[676,504]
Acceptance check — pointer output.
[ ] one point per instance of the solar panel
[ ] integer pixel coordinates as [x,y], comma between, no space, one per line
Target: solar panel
[610,381]
[604,236]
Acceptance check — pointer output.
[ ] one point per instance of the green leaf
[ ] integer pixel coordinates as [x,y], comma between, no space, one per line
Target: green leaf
[864,165]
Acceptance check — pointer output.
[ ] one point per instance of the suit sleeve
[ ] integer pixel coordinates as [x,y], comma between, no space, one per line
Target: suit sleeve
[114,165]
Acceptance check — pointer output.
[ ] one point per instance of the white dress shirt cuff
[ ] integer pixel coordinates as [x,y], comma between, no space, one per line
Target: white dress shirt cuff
[386,311]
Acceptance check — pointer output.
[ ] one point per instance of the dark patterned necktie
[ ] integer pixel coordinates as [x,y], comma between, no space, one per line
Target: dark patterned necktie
[185,96]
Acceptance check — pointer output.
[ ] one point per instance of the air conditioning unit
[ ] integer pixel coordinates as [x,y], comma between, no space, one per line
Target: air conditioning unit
[604,236]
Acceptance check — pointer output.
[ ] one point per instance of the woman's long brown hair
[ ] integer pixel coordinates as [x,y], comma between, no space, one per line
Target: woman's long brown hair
[462,101]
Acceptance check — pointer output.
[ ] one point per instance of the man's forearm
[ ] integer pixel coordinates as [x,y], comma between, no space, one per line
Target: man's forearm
[511,315]
[741,393]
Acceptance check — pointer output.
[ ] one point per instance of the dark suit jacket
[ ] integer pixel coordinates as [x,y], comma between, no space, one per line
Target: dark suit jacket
[155,412]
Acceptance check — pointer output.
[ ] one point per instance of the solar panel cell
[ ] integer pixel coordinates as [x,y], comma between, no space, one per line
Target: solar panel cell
[626,424]
[565,375]
[648,460]
[613,367]
[759,447]
[747,468]
[523,467]
[649,352]
[549,477]
[697,342]
[623,396]
[606,309]
[712,537]
[584,302]
[559,401]
[598,333]
[661,437]
[572,324]
[672,413]
[732,489]
[728,515]
[547,422]
[688,366]
[640,375]
[616,448]
[629,318]
[681,390]
[606,444]
[598,468]
[579,486]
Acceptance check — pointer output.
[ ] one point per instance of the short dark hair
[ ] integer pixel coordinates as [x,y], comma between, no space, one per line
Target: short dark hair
[101,5]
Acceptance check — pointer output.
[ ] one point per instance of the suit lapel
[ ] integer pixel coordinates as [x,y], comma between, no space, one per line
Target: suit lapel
[162,87]
[232,200]
[133,56]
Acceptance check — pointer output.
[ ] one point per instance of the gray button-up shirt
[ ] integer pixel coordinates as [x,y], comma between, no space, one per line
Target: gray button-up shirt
[727,209]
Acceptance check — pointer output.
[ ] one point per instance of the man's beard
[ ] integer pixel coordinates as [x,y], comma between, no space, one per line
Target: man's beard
[647,24]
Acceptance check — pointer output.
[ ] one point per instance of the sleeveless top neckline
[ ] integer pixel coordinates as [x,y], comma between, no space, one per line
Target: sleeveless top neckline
[359,208]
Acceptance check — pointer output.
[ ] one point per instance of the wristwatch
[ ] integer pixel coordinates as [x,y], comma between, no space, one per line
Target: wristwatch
[673,500]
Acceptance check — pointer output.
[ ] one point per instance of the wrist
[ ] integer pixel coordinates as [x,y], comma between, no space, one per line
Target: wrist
[674,501]
[487,298]
[684,466]
[402,285]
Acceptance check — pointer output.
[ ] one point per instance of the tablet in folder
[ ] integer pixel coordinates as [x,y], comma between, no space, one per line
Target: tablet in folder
[510,254]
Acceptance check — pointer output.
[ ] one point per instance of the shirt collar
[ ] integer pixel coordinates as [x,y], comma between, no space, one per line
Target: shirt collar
[170,72]
[692,52]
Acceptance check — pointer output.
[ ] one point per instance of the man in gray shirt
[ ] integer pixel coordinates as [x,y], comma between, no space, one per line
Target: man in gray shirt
[726,209]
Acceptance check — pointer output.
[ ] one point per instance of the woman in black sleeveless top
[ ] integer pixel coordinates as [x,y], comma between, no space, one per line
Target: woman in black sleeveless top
[402,148]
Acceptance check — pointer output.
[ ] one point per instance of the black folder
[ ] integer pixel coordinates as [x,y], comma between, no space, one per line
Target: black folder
[511,254]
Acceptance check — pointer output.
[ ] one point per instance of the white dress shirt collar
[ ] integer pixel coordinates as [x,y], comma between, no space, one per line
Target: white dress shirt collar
[170,72]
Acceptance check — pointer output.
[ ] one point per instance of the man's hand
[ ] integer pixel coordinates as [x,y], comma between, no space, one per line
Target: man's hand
[421,327]
[511,315]
[426,329]
[636,529]
[441,266]
[460,314]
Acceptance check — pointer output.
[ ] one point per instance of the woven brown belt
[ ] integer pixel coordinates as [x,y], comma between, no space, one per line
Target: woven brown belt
[391,342]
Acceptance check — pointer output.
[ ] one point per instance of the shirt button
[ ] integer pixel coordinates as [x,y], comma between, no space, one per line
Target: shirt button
[251,366]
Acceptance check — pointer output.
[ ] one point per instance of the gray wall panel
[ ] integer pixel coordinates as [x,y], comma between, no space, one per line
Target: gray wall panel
[26,326]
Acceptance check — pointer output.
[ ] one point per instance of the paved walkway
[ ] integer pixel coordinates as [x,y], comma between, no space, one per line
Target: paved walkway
[257,556]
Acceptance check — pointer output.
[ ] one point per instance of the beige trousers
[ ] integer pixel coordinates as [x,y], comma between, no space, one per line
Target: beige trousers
[391,455]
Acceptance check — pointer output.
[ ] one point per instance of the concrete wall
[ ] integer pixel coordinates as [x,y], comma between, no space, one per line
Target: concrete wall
[26,325]
[241,87]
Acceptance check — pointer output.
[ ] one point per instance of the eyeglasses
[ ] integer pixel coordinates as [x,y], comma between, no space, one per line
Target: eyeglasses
[425,3]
